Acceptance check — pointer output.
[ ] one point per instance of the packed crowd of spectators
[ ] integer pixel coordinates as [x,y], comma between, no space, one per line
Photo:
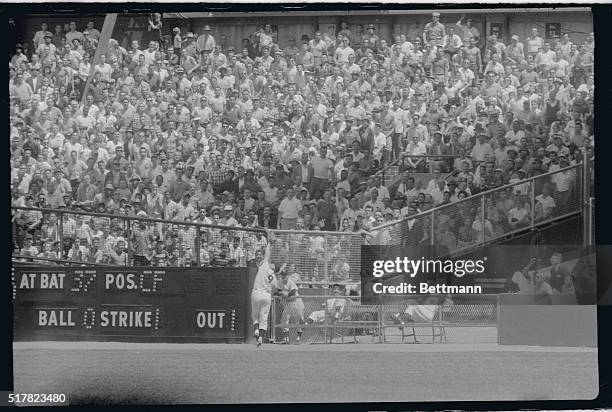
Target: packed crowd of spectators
[183,128]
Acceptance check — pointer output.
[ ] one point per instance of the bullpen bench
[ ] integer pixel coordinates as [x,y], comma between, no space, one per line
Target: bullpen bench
[357,320]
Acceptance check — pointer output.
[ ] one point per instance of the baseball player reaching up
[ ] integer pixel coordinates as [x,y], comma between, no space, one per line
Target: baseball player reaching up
[261,296]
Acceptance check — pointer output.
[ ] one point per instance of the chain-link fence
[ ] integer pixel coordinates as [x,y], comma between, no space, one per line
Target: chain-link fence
[318,256]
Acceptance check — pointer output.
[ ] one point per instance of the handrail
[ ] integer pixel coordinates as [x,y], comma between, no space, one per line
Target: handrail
[59,261]
[475,164]
[467,248]
[137,218]
[329,236]
[311,232]
[261,230]
[327,283]
[401,158]
[591,222]
[481,194]
[383,172]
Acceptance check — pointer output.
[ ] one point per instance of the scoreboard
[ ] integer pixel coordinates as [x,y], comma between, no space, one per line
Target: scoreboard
[130,304]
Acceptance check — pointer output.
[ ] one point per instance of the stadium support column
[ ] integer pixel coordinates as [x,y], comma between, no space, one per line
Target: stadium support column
[128,242]
[483,217]
[60,235]
[507,35]
[197,246]
[483,36]
[105,35]
[432,230]
[326,258]
[532,203]
[586,200]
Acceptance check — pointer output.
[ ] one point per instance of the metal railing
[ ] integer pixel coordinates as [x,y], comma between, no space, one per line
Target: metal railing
[591,222]
[72,236]
[424,165]
[495,213]
[589,170]
[76,237]
[34,261]
[317,256]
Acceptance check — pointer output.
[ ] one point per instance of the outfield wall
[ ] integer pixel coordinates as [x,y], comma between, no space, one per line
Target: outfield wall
[564,323]
[131,304]
[213,305]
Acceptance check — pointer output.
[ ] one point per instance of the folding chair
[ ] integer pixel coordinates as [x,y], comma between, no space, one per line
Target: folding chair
[435,323]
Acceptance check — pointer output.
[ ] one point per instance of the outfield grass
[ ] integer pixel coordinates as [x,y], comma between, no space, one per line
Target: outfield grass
[150,373]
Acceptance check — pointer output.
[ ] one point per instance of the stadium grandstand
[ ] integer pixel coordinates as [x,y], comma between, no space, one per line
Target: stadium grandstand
[190,178]
[192,140]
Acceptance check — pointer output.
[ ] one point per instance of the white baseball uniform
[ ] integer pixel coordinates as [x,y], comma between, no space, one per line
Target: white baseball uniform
[261,296]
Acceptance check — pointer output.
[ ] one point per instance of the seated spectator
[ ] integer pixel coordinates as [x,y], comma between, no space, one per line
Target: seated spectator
[332,308]
[518,216]
[253,139]
[545,203]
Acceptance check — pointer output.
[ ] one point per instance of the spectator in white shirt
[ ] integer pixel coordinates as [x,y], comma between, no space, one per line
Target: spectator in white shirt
[545,204]
[518,216]
[544,59]
[288,211]
[534,43]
